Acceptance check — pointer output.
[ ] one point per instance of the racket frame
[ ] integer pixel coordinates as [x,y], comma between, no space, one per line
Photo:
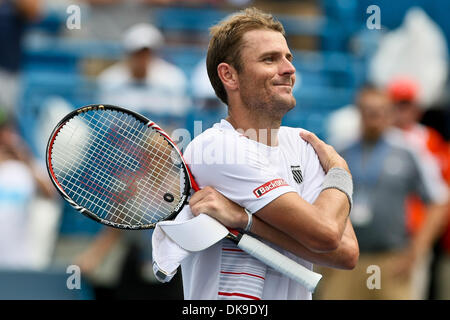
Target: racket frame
[189,181]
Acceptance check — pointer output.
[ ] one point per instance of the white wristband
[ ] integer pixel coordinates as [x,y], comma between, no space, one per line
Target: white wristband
[250,220]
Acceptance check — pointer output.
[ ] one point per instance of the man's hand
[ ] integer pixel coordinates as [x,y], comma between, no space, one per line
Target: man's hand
[213,203]
[328,157]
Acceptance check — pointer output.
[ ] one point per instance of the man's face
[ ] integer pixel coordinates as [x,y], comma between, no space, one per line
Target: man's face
[376,114]
[138,63]
[267,76]
[406,114]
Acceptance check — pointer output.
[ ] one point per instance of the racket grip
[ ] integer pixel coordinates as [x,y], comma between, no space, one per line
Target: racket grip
[279,262]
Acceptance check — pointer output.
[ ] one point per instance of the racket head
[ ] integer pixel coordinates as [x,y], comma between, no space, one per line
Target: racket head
[117,167]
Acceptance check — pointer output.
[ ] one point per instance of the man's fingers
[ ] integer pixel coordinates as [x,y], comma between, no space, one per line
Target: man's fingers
[328,156]
[198,196]
[206,206]
[316,143]
[201,200]
[309,137]
[312,139]
[197,208]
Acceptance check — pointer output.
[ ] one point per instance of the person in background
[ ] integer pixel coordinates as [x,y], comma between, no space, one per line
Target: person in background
[20,181]
[385,173]
[144,82]
[14,15]
[430,147]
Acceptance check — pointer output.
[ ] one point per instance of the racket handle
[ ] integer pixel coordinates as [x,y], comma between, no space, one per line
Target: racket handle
[279,262]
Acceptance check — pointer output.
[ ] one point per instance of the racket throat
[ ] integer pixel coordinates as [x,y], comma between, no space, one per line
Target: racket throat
[234,235]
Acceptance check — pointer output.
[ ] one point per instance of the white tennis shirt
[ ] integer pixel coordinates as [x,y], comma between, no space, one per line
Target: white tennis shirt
[251,174]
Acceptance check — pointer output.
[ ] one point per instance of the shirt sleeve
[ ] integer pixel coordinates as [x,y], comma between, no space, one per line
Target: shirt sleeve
[428,183]
[314,174]
[236,167]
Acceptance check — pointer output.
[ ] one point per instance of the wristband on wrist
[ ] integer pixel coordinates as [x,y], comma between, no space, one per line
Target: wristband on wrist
[250,220]
[338,178]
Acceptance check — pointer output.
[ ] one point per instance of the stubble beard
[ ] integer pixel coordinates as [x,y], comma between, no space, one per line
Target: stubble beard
[268,107]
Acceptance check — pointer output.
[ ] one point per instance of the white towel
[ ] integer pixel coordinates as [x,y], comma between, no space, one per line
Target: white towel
[167,254]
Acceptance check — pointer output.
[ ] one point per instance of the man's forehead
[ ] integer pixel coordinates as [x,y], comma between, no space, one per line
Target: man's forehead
[375,102]
[264,39]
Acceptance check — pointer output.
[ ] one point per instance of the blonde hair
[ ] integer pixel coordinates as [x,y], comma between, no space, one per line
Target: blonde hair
[226,42]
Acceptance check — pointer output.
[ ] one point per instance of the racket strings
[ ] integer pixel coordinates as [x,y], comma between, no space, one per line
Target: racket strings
[161,154]
[125,170]
[161,140]
[81,196]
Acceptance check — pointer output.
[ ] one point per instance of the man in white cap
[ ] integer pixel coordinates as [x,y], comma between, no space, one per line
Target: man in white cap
[144,82]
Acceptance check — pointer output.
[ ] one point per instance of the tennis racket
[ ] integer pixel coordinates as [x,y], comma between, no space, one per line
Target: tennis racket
[122,170]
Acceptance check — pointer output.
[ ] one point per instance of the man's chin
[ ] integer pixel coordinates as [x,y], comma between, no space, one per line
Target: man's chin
[286,103]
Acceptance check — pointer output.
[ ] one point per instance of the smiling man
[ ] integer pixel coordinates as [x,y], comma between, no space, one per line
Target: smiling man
[291,189]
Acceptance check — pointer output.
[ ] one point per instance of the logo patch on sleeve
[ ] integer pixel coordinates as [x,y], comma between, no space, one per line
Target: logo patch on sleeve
[297,174]
[269,186]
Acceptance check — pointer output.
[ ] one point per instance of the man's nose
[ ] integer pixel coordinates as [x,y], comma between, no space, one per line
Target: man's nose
[287,67]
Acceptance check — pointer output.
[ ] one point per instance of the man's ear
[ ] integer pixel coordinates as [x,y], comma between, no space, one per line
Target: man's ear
[228,74]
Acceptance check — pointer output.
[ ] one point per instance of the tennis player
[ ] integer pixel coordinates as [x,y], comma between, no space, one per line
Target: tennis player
[282,184]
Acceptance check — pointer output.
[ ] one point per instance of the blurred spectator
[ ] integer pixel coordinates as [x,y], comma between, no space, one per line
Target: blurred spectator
[144,82]
[428,143]
[20,182]
[417,48]
[14,15]
[385,173]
